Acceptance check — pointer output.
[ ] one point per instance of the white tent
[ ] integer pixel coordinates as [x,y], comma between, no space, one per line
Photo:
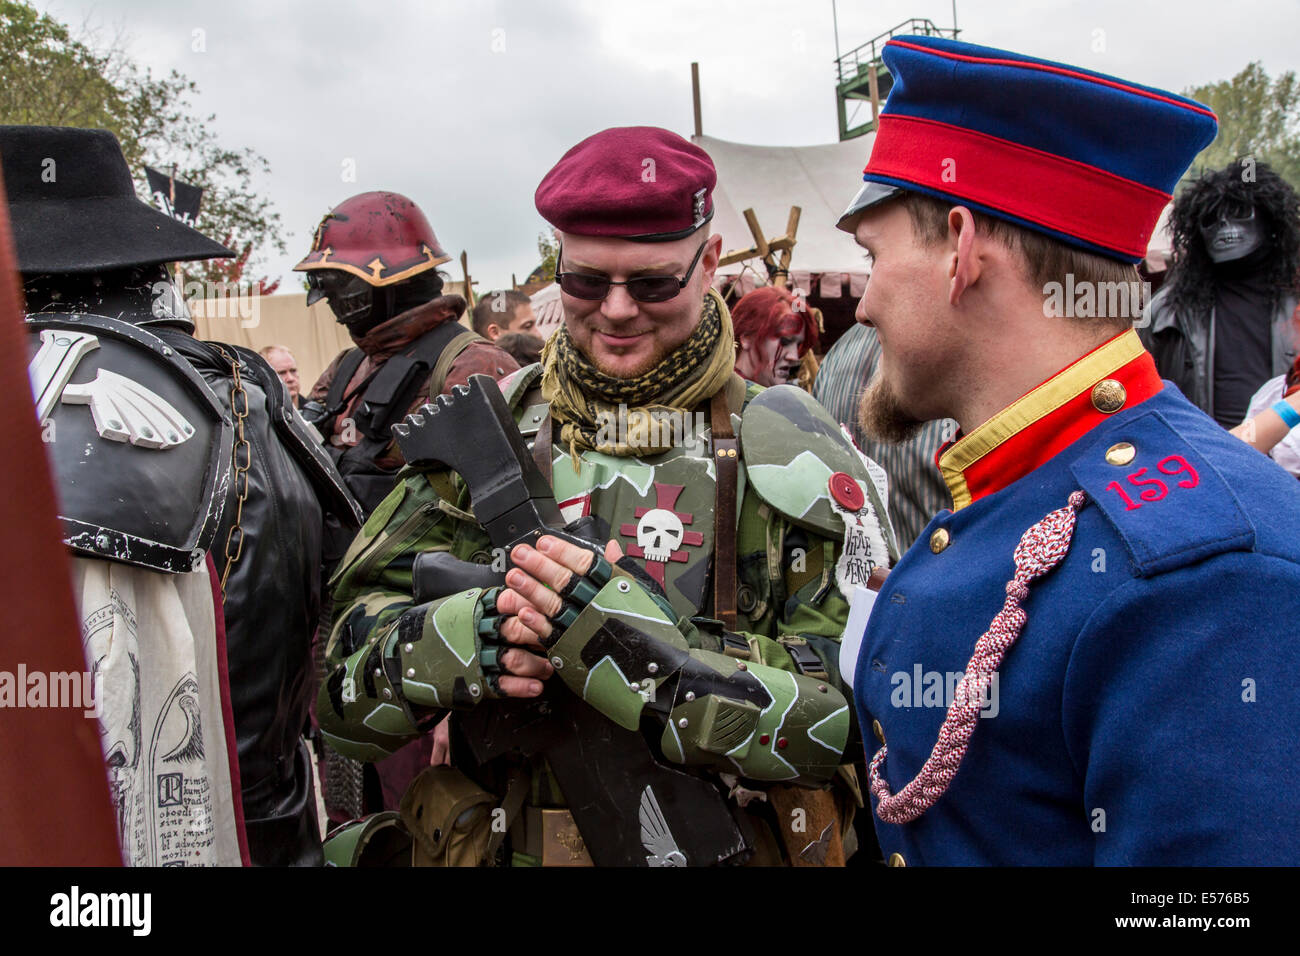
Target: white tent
[770,179]
[547,309]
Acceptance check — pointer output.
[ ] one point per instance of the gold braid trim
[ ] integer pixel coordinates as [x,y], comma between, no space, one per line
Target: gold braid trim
[586,401]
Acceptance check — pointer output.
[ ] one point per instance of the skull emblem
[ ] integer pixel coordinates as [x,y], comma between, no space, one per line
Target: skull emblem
[659,533]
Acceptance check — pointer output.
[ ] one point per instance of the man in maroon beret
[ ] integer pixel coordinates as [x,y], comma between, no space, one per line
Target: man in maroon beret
[631,209]
[738,519]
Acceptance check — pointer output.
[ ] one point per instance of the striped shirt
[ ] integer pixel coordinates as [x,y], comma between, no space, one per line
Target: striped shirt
[916,489]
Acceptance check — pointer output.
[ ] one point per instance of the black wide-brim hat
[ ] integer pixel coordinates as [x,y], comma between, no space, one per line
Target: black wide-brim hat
[73,206]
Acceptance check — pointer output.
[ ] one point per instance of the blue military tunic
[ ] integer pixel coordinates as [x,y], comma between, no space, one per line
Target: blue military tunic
[1147,713]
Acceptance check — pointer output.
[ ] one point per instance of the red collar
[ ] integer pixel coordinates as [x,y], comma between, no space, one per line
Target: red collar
[1040,424]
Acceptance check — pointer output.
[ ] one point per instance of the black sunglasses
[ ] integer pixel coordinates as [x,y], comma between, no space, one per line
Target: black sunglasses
[641,288]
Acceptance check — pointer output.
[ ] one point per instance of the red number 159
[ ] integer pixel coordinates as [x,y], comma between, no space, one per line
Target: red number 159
[1153,489]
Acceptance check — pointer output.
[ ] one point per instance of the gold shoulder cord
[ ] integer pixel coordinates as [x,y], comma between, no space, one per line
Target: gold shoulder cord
[239,408]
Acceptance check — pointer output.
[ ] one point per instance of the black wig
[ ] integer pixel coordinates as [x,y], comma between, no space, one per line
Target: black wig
[1191,279]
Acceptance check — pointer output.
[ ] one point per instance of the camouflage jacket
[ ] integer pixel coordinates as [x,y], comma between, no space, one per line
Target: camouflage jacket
[791,565]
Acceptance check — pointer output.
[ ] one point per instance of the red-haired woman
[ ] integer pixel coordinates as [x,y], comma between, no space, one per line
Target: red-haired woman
[774,330]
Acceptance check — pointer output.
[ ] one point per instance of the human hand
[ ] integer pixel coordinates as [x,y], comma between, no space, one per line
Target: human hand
[532,595]
[441,743]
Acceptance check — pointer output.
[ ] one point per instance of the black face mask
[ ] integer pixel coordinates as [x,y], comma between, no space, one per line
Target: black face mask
[350,298]
[360,306]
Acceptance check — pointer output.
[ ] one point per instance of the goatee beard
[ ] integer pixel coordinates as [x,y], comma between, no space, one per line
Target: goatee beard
[644,367]
[881,414]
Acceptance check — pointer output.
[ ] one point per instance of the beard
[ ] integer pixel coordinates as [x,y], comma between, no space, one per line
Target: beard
[643,367]
[882,416]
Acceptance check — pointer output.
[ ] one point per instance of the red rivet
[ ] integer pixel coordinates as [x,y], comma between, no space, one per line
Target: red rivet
[846,492]
[764,738]
[781,743]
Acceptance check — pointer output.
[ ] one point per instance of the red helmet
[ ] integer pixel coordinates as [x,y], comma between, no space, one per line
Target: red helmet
[381,237]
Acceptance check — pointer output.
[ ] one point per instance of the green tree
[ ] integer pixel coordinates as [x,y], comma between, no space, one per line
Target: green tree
[548,247]
[1258,117]
[50,76]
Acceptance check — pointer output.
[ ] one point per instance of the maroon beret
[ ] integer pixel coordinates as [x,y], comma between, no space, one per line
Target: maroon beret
[630,182]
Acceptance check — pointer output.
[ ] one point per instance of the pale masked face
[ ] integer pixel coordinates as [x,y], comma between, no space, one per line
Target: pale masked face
[771,360]
[1232,233]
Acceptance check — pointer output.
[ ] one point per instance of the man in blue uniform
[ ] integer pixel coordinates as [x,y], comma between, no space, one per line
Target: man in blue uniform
[1087,661]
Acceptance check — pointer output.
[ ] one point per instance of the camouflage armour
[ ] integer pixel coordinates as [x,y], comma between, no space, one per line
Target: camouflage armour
[791,607]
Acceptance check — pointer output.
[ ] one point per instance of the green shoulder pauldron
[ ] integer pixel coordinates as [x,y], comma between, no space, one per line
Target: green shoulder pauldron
[813,526]
[806,468]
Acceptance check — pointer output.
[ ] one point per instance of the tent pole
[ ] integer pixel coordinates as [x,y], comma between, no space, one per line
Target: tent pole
[835,21]
[695,93]
[469,283]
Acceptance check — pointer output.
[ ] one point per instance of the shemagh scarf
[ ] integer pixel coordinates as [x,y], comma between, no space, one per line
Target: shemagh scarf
[586,401]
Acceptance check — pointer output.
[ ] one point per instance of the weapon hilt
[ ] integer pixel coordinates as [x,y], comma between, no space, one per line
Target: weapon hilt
[472,431]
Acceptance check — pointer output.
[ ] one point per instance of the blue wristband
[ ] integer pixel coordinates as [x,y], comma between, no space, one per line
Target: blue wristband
[1286,413]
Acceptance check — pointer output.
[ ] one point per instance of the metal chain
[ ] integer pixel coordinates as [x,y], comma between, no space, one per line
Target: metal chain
[238,408]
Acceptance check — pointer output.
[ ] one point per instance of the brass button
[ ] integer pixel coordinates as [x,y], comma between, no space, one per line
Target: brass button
[940,540]
[878,730]
[896,859]
[1108,396]
[1120,454]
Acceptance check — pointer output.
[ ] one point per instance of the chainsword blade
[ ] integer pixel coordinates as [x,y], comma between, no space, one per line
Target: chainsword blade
[473,432]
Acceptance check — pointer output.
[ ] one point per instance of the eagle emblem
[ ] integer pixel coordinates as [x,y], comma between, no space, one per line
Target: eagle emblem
[815,852]
[655,835]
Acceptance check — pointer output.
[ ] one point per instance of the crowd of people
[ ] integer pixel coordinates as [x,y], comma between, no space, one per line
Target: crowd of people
[661,589]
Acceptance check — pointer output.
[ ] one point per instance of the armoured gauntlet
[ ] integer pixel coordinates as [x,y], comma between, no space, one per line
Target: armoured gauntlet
[624,655]
[439,655]
[448,654]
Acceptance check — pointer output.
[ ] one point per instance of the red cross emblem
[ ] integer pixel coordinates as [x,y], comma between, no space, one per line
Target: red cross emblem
[660,533]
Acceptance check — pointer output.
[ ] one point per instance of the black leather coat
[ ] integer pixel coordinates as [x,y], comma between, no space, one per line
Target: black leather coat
[1183,346]
[271,604]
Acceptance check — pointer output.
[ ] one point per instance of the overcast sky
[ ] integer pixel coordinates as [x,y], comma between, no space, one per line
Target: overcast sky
[464,106]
